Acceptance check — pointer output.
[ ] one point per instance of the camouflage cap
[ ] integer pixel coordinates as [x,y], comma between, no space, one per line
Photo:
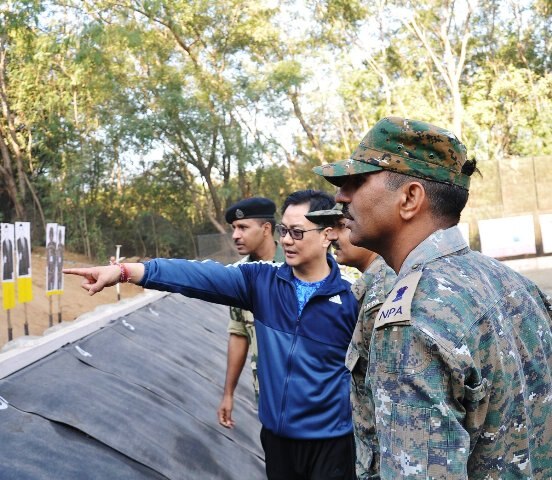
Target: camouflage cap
[410,147]
[326,217]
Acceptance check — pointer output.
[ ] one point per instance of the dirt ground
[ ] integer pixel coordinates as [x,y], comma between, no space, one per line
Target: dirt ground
[73,302]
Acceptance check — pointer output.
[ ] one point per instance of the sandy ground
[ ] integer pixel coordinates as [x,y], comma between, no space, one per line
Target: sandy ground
[73,302]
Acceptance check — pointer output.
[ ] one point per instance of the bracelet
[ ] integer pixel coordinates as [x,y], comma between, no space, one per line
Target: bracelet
[125,274]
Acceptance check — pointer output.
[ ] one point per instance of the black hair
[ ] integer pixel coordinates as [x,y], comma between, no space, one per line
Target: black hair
[272,222]
[317,200]
[445,200]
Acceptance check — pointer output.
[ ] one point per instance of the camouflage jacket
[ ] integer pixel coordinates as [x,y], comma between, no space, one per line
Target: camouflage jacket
[460,367]
[370,290]
[241,323]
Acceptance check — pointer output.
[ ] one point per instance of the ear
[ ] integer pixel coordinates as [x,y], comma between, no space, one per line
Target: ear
[324,235]
[412,200]
[267,229]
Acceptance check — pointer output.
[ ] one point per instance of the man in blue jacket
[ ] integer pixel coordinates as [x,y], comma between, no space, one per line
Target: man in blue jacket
[305,314]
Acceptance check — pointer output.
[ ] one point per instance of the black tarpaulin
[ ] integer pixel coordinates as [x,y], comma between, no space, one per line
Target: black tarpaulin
[140,395]
[32,447]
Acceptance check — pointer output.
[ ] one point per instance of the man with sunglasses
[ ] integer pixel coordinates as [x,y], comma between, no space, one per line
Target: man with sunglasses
[305,314]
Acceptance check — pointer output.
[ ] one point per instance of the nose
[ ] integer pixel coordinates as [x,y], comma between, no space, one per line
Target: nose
[286,239]
[342,195]
[236,234]
[332,234]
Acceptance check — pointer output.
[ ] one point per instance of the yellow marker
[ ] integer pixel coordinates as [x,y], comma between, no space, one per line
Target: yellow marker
[8,295]
[24,289]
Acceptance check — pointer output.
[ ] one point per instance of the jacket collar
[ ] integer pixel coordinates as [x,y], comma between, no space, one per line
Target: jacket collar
[333,280]
[439,244]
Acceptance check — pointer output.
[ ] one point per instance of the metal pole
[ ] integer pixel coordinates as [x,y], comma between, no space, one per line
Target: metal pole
[117,256]
[26,324]
[10,329]
[50,314]
[59,308]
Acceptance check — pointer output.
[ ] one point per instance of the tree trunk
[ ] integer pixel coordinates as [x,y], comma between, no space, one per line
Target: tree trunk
[315,143]
[36,201]
[155,239]
[86,237]
[10,140]
[7,174]
[217,219]
[449,67]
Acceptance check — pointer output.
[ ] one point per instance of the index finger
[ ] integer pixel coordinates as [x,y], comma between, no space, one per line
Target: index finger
[77,271]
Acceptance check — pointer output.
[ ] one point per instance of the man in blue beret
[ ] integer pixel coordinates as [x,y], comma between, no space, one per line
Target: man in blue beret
[253,223]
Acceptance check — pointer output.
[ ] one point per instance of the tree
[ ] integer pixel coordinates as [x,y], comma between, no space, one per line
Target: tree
[193,82]
[15,133]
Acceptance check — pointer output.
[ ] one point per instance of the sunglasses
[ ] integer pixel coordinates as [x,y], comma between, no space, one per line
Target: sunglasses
[294,233]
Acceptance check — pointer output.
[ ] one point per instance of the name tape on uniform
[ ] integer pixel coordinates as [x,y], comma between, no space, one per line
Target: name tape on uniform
[396,308]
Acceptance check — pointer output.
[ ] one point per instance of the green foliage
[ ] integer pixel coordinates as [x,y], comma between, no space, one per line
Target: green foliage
[137,122]
[285,75]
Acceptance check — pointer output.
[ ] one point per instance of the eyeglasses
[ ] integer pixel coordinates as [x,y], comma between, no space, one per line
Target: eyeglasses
[294,233]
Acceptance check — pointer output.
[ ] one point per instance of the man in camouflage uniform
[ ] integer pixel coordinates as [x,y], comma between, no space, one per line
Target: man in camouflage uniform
[370,290]
[253,224]
[461,353]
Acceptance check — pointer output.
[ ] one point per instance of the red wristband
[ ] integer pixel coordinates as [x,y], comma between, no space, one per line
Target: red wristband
[125,274]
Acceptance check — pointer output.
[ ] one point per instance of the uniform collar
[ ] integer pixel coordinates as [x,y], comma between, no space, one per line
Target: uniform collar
[437,245]
[279,256]
[375,275]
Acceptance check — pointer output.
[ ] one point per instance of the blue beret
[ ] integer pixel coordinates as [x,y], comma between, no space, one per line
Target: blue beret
[255,207]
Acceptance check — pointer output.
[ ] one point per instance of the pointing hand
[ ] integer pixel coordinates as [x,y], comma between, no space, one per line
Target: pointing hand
[96,278]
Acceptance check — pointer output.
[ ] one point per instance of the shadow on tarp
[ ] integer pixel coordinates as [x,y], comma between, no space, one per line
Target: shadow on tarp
[136,399]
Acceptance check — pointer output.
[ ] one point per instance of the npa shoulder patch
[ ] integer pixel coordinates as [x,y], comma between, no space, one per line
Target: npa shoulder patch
[396,308]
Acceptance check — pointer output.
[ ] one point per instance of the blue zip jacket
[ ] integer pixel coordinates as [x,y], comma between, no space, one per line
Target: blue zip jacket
[304,383]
